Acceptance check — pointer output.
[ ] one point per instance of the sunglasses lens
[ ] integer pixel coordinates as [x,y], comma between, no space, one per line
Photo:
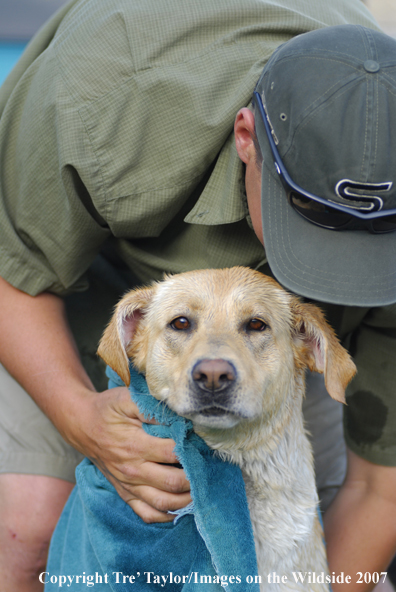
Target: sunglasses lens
[385,224]
[317,213]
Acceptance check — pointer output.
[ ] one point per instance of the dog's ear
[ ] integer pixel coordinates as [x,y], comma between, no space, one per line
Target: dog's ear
[120,331]
[320,349]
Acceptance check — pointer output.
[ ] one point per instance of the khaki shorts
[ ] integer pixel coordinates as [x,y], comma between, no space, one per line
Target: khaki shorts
[30,444]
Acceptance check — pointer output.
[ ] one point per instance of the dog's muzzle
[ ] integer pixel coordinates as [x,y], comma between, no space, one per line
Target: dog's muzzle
[213,381]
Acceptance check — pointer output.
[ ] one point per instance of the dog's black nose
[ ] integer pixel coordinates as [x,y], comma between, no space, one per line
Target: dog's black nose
[213,375]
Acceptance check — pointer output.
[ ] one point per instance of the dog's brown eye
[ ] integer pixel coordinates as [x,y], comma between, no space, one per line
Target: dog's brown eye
[180,324]
[256,325]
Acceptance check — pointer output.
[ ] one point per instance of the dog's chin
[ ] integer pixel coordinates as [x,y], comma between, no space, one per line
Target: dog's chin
[214,418]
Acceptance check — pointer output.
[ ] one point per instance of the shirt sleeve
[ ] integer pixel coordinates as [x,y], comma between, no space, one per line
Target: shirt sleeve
[50,231]
[370,414]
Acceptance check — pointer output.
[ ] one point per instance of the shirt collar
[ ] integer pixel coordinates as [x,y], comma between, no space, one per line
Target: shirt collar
[223,201]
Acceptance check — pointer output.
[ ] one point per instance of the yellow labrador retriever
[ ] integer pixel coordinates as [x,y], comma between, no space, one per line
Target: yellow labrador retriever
[228,349]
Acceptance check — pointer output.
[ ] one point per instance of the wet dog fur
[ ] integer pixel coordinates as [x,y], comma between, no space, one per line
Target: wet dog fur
[228,349]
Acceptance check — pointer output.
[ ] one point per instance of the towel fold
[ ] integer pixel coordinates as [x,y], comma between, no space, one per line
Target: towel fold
[209,545]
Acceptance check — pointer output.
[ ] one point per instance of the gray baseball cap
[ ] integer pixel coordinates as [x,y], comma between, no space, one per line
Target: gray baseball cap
[329,99]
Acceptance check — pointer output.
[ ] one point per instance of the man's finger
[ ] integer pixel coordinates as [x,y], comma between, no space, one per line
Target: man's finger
[149,514]
[160,500]
[161,477]
[157,450]
[164,478]
[149,503]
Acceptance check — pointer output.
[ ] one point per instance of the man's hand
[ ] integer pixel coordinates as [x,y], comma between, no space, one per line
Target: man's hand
[111,435]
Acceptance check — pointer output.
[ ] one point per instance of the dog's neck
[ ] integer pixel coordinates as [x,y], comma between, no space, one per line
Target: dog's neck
[260,439]
[276,463]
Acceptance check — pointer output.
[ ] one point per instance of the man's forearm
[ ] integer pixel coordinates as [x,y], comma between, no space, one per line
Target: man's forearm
[38,350]
[360,525]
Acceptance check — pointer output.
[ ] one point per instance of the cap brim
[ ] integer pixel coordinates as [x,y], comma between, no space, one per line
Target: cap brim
[352,267]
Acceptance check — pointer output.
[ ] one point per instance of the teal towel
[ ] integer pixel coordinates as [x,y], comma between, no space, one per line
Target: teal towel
[209,546]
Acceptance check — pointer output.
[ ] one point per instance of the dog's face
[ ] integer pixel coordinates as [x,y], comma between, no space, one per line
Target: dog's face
[222,347]
[214,342]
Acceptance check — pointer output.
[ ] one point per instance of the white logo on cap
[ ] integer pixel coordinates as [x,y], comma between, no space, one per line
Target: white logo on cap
[362,192]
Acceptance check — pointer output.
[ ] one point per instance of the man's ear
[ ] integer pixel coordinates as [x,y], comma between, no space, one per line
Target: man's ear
[320,349]
[121,330]
[244,133]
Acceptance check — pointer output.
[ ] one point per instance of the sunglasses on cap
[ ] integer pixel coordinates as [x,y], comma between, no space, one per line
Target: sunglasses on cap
[320,211]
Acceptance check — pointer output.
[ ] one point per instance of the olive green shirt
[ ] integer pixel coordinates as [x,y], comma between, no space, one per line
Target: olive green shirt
[116,125]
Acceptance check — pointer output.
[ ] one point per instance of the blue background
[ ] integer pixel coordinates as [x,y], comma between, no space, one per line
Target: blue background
[9,54]
[19,21]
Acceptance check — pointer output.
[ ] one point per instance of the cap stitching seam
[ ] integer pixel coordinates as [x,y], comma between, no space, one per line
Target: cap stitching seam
[365,42]
[308,118]
[377,124]
[323,94]
[390,90]
[365,134]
